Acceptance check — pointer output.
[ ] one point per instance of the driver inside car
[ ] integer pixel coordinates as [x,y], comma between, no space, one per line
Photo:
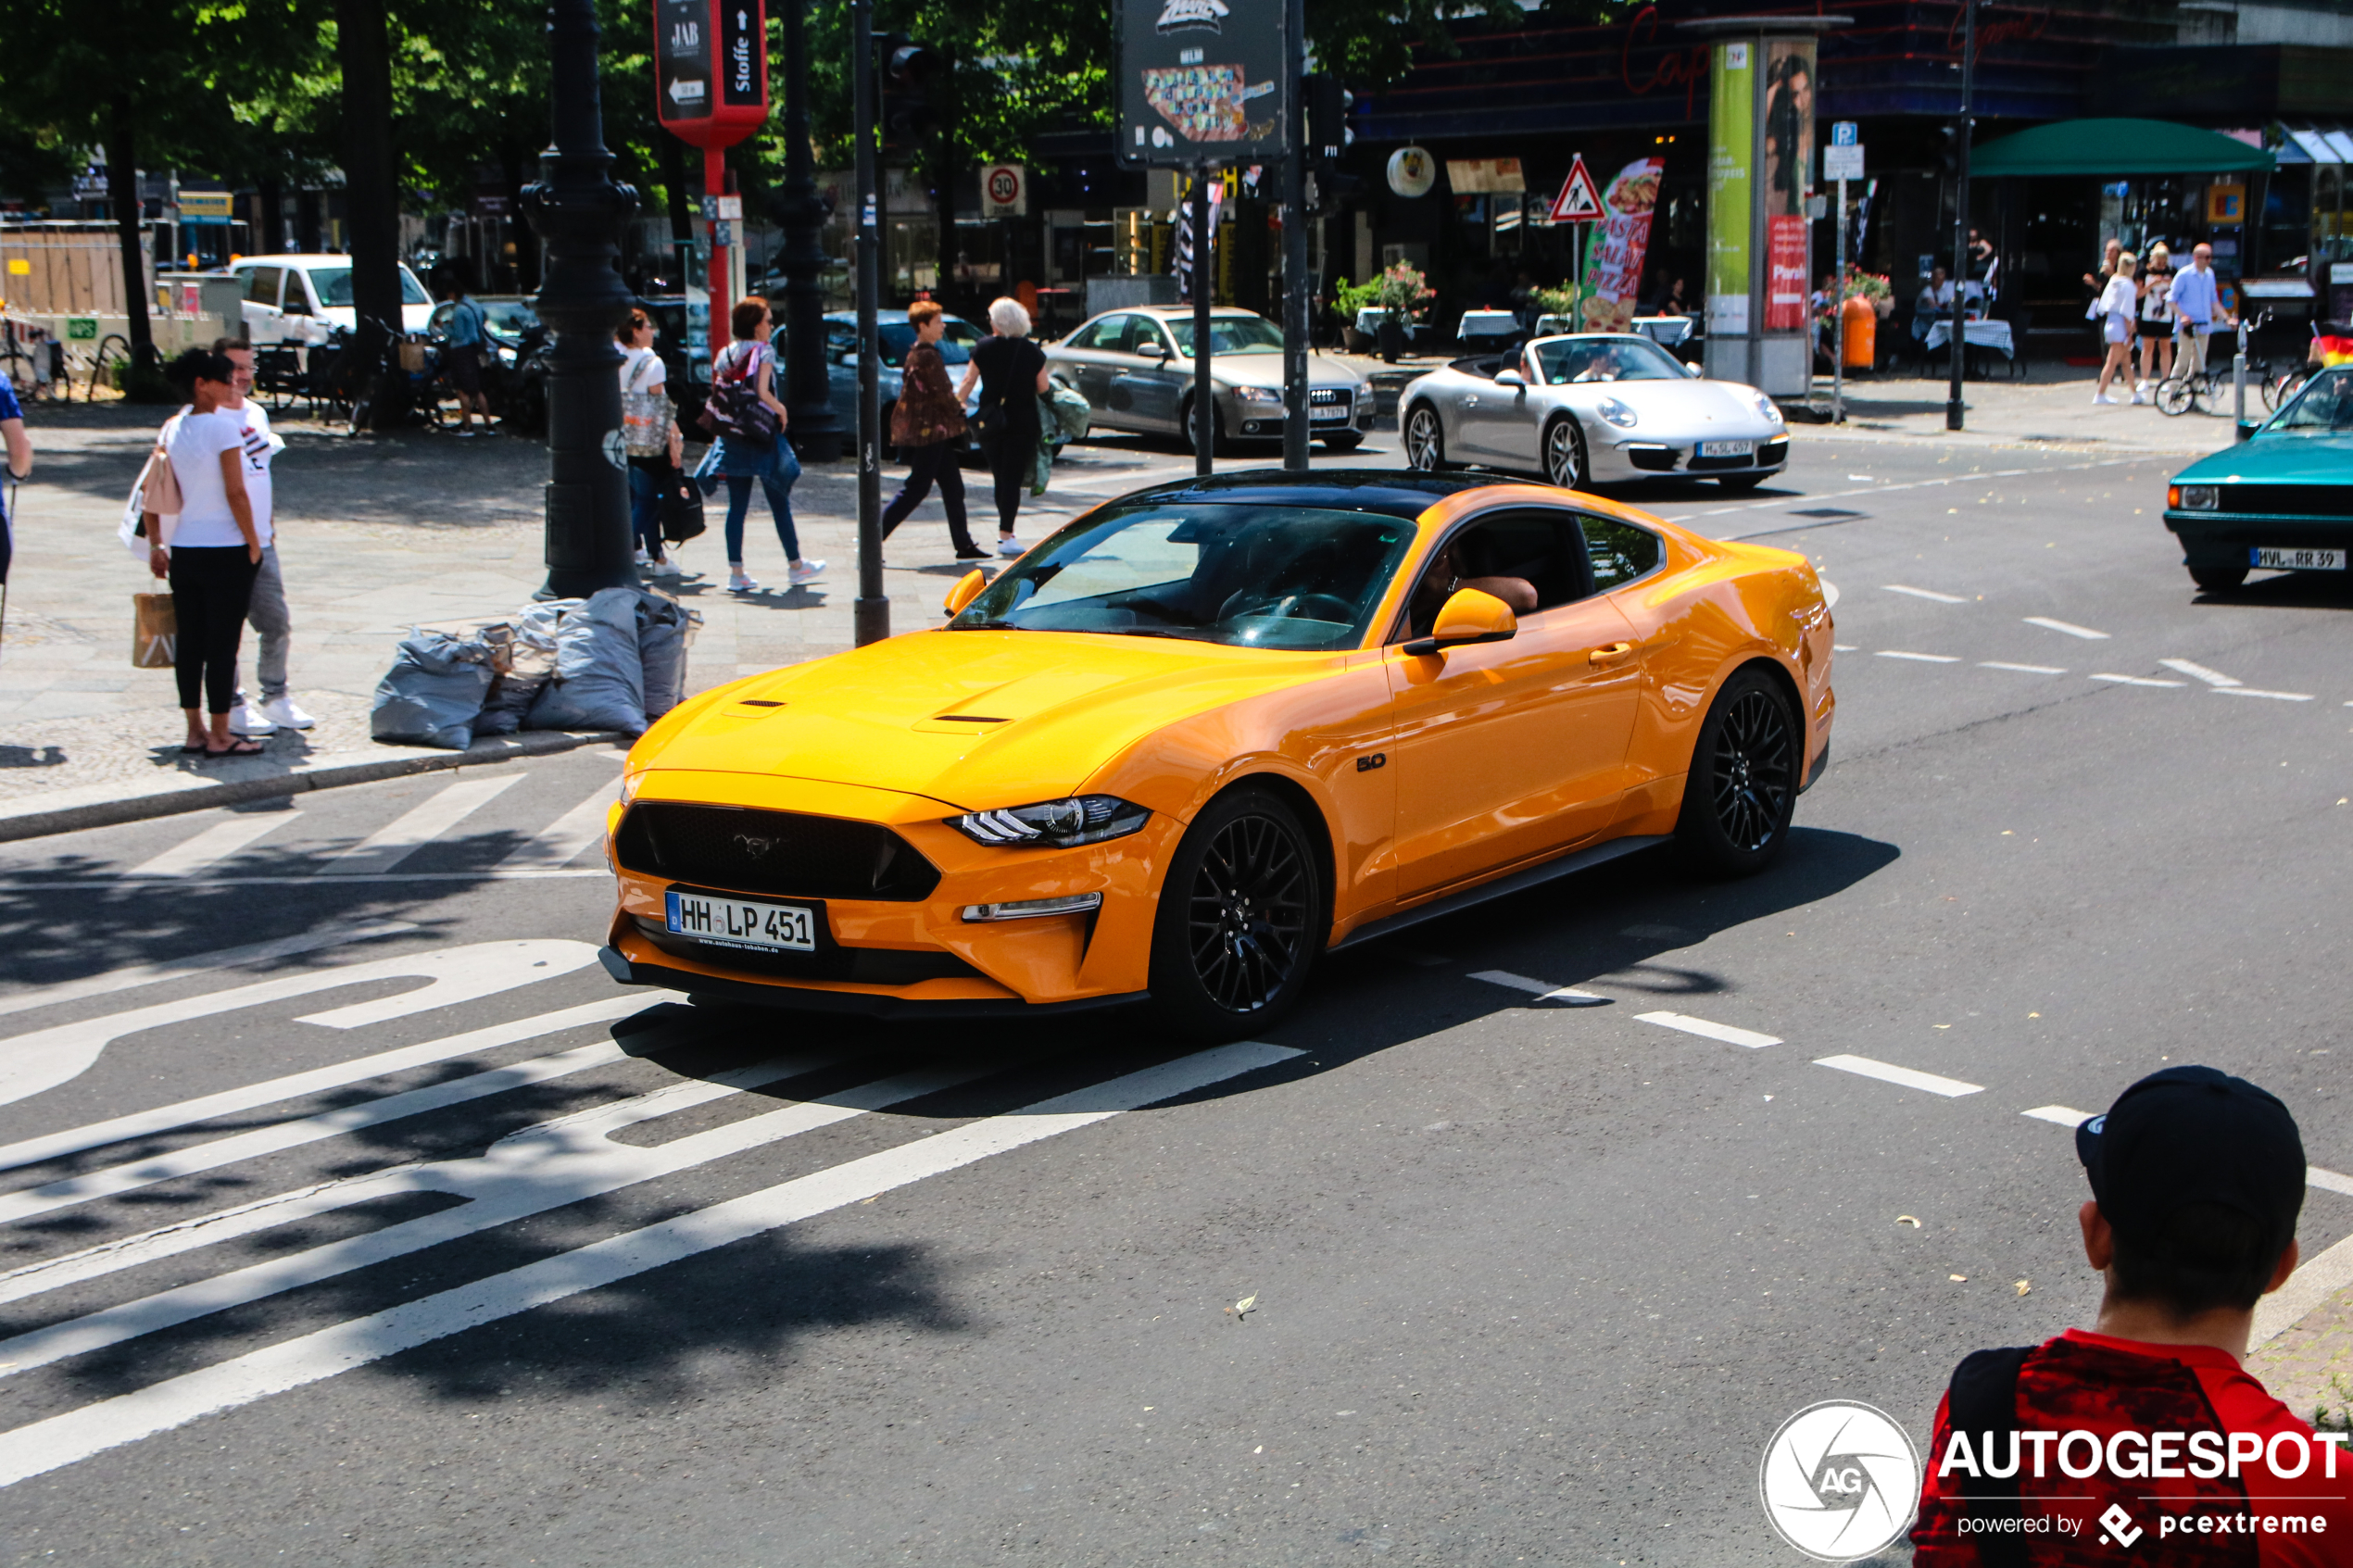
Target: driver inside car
[1443,577]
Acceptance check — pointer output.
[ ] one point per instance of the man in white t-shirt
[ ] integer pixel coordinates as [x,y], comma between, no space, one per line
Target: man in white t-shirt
[266,612]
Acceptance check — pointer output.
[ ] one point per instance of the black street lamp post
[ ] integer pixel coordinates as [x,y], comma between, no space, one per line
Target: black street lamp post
[814,431]
[577,210]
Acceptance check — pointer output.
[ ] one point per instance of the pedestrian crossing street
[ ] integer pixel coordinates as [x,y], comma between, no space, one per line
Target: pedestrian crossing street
[322,1220]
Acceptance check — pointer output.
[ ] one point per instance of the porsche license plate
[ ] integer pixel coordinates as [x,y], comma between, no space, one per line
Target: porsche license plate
[741,922]
[2277,558]
[1728,449]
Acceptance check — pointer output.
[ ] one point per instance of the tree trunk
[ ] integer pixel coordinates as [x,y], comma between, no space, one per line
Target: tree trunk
[122,199]
[372,206]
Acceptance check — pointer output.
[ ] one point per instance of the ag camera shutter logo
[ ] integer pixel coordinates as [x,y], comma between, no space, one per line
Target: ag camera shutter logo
[1839,1481]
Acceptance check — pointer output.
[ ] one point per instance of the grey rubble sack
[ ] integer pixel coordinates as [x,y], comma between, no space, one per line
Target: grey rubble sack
[433,691]
[532,665]
[599,680]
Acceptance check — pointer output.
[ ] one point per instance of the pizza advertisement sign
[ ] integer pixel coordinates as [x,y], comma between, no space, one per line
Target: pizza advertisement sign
[1615,247]
[1202,81]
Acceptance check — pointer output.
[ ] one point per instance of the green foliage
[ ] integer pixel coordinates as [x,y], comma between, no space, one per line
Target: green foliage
[1350,300]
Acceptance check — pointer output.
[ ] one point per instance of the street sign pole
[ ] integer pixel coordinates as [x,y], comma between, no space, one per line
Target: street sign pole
[1295,302]
[1838,299]
[1204,405]
[1960,213]
[870,614]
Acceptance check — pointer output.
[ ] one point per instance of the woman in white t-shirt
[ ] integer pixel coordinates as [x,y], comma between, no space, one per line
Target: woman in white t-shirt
[644,377]
[2119,303]
[210,551]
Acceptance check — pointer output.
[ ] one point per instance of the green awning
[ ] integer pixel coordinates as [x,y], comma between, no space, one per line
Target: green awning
[2113,147]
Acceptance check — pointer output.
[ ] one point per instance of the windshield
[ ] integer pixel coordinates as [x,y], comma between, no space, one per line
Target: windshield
[956,340]
[2323,408]
[1229,335]
[1251,576]
[1564,360]
[332,285]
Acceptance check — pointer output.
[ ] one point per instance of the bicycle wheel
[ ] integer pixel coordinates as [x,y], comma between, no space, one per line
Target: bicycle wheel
[109,361]
[2278,389]
[2175,395]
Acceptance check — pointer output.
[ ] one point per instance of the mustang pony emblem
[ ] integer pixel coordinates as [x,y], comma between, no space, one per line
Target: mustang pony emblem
[753,848]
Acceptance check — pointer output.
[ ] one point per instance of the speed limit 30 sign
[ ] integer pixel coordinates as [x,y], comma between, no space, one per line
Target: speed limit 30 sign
[1005,191]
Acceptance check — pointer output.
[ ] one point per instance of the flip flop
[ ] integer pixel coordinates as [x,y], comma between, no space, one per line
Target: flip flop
[240,747]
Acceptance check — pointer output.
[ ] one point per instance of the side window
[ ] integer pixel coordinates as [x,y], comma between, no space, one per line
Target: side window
[841,339]
[1143,331]
[297,296]
[261,286]
[1619,552]
[1537,546]
[1099,334]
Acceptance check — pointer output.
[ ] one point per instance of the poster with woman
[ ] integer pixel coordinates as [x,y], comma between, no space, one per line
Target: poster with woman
[1789,161]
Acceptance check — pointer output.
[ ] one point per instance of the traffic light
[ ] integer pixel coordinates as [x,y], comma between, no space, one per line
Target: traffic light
[912,77]
[1328,106]
[1948,147]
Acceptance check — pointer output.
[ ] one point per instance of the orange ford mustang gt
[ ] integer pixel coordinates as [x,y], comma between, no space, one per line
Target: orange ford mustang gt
[1211,729]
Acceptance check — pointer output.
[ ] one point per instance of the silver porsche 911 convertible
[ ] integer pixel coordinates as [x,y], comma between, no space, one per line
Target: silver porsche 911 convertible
[1592,407]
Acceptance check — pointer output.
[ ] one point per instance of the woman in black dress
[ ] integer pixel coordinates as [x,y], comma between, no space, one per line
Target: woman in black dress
[1011,372]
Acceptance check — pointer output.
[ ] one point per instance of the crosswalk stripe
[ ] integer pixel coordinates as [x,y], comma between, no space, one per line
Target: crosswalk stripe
[43,1445]
[228,1102]
[419,826]
[1709,1031]
[2134,680]
[2211,677]
[2068,627]
[197,963]
[1924,594]
[215,843]
[1908,1077]
[567,835]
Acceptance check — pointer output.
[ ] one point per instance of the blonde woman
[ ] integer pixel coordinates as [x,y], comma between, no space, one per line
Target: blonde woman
[1012,374]
[2157,319]
[2119,303]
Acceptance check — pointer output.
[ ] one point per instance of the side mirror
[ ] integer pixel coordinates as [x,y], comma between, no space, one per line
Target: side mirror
[1152,350]
[1468,617]
[1510,378]
[967,589]
[1693,370]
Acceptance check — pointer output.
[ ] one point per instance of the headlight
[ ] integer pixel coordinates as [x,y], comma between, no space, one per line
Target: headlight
[2196,497]
[1053,824]
[1767,407]
[1258,395]
[1617,413]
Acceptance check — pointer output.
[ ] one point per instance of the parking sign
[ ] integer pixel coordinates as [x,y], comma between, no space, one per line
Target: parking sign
[1842,133]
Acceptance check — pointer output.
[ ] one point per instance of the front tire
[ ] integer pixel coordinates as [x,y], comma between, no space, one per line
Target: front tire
[1241,919]
[1566,462]
[1742,790]
[1217,441]
[2218,578]
[1425,440]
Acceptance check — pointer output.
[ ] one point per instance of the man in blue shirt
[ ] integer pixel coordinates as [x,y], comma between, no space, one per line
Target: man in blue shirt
[463,350]
[2196,306]
[19,447]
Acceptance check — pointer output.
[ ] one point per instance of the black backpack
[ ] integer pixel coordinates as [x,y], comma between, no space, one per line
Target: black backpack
[735,411]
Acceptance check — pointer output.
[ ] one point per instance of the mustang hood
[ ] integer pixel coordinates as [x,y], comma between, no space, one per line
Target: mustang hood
[972,720]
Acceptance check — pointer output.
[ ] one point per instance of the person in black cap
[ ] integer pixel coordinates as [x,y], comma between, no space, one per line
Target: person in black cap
[2146,1431]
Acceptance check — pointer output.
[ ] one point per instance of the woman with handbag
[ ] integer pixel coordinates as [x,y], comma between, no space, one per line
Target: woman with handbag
[927,426]
[211,552]
[650,436]
[1012,374]
[749,422]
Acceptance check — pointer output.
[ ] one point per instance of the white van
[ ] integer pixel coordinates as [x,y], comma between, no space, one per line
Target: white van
[300,298]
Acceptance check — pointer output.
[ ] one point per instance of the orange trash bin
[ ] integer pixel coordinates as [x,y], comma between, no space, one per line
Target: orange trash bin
[1862,333]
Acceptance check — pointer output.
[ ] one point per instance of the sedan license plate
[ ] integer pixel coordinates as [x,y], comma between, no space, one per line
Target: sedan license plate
[1728,449]
[741,922]
[1328,413]
[2277,558]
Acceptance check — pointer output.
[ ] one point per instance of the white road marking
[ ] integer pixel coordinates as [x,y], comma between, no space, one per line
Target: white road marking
[2021,669]
[1706,1030]
[1850,647]
[2068,627]
[2250,691]
[43,1060]
[196,963]
[215,843]
[1924,594]
[1863,1066]
[2136,681]
[420,825]
[2328,1181]
[1830,595]
[1889,489]
[1919,657]
[187,1113]
[568,835]
[2211,677]
[2064,1115]
[1542,990]
[43,1445]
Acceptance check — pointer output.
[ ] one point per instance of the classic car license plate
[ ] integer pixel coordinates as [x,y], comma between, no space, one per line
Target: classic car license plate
[1728,449]
[741,922]
[2277,558]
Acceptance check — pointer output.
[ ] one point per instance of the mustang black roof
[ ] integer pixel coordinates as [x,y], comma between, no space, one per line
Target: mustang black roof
[1397,492]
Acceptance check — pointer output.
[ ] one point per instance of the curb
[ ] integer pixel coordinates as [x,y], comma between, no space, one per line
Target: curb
[33,819]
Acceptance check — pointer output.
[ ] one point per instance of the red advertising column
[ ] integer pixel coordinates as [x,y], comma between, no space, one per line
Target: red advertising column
[711,90]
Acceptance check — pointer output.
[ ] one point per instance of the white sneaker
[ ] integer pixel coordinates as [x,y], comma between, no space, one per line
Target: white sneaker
[281,712]
[741,582]
[642,559]
[2102,397]
[1009,546]
[804,571]
[2138,400]
[2138,388]
[250,722]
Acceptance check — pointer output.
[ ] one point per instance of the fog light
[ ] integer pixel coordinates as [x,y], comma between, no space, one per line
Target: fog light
[1032,908]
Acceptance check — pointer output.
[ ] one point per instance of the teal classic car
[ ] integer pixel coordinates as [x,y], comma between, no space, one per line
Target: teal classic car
[2280,500]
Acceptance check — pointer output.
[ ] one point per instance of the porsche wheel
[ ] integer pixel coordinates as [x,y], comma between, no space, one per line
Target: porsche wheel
[1565,462]
[1240,918]
[2218,578]
[1425,439]
[1743,787]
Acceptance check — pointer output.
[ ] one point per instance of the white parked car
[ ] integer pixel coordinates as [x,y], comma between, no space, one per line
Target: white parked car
[1135,367]
[300,300]
[1591,407]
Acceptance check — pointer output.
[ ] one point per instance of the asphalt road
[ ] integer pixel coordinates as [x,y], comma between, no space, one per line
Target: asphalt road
[1534,1278]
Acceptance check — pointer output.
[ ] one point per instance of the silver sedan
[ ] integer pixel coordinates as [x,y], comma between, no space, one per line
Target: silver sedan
[1592,407]
[1135,367]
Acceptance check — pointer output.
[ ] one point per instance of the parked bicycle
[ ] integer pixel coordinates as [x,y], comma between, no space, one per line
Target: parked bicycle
[2178,394]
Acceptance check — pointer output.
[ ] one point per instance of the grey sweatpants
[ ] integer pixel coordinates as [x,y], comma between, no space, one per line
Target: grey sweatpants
[266,613]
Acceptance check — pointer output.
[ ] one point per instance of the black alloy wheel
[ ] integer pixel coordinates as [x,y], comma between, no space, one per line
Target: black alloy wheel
[1743,787]
[1564,454]
[1425,440]
[1239,920]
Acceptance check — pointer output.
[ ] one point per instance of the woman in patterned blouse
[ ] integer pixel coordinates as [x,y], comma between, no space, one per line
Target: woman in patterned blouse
[927,426]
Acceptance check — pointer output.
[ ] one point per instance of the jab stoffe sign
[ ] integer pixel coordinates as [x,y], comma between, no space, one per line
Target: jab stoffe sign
[710,68]
[1202,82]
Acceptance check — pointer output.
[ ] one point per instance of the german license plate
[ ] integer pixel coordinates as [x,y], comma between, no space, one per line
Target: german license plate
[1328,413]
[741,922]
[2273,557]
[1728,449]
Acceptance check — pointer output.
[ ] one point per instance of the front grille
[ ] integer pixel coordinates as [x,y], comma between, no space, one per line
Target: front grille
[785,852]
[1773,451]
[2285,500]
[1328,395]
[1651,459]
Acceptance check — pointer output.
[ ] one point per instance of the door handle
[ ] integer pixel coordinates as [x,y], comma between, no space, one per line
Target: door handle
[1609,654]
